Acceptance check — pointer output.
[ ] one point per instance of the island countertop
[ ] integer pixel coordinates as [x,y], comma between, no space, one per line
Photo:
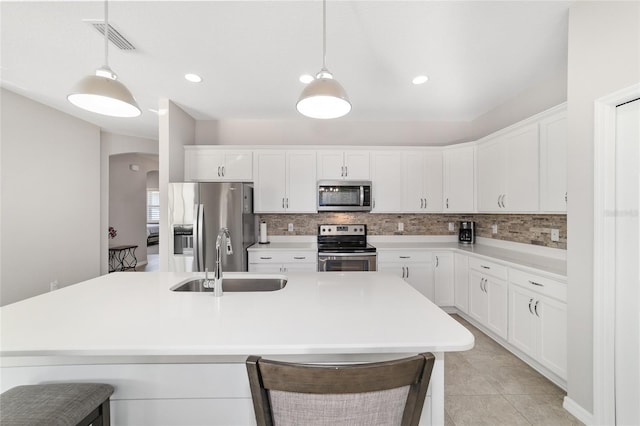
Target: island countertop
[137,315]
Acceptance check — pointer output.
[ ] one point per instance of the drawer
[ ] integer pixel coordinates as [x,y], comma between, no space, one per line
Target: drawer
[542,285]
[488,268]
[408,256]
[266,256]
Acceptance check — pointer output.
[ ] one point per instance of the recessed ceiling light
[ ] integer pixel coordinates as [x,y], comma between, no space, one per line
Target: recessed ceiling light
[306,78]
[194,78]
[421,79]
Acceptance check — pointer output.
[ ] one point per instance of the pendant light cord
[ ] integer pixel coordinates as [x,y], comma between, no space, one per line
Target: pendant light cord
[106,34]
[324,34]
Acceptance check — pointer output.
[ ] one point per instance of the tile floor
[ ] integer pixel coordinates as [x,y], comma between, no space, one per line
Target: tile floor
[490,386]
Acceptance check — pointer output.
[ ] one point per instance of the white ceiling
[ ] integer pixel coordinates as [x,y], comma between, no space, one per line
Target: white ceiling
[477,55]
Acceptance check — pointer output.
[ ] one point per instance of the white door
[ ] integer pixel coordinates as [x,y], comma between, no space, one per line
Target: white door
[627,281]
[301,182]
[492,159]
[331,165]
[433,181]
[356,165]
[443,277]
[522,167]
[523,324]
[414,171]
[420,276]
[553,335]
[270,185]
[553,163]
[461,282]
[459,183]
[387,181]
[497,302]
[478,304]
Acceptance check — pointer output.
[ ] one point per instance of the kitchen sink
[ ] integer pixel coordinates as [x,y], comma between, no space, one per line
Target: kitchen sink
[234,284]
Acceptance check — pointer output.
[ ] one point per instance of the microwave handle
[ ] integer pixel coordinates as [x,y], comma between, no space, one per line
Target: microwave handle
[361,195]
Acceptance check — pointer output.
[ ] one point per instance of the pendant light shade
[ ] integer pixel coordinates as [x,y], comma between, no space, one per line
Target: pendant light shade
[324,97]
[102,93]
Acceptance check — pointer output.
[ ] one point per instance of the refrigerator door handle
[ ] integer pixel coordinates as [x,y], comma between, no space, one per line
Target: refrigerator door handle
[198,246]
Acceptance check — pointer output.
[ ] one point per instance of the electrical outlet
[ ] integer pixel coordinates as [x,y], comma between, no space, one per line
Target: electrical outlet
[53,285]
[555,235]
[494,228]
[290,227]
[451,227]
[400,226]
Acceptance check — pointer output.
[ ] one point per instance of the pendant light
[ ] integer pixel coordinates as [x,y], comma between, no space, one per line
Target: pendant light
[324,97]
[102,93]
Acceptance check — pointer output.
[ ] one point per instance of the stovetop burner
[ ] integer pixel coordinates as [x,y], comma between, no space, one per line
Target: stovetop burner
[343,239]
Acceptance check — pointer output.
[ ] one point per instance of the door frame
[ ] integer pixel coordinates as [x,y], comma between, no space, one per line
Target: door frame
[604,249]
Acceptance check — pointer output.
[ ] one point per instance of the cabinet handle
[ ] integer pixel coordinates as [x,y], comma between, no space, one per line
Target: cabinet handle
[299,257]
[485,267]
[265,258]
[287,202]
[504,196]
[481,282]
[422,203]
[283,203]
[437,261]
[565,197]
[374,204]
[535,283]
[447,202]
[425,203]
[535,308]
[499,201]
[218,171]
[407,272]
[342,171]
[346,171]
[222,171]
[530,302]
[403,272]
[405,257]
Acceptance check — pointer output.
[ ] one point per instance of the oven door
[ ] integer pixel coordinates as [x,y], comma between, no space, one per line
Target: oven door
[346,262]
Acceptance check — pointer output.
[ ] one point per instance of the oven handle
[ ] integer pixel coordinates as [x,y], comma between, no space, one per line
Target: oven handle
[361,195]
[369,254]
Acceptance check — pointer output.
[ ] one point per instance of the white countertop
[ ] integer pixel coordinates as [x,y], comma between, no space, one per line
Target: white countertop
[285,246]
[136,315]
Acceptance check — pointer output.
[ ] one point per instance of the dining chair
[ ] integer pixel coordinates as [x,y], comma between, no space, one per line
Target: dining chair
[381,393]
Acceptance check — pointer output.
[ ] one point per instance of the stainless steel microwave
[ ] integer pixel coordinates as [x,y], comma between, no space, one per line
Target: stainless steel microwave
[344,196]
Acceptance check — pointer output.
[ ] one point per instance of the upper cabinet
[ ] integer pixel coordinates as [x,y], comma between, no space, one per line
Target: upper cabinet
[387,182]
[459,179]
[203,163]
[508,172]
[343,165]
[285,181]
[553,163]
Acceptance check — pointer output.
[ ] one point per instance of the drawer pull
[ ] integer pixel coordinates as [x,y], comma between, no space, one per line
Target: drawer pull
[405,257]
[535,283]
[264,258]
[299,257]
[485,267]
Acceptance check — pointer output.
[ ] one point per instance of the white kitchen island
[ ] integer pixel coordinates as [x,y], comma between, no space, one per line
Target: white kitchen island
[177,358]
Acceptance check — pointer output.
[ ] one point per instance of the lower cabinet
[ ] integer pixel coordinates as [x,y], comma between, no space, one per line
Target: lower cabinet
[538,319]
[415,267]
[268,261]
[443,278]
[461,282]
[488,295]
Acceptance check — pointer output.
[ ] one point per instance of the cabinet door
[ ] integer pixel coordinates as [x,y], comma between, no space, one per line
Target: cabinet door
[420,276]
[394,268]
[461,282]
[553,163]
[237,166]
[497,303]
[265,268]
[443,277]
[433,182]
[553,335]
[387,181]
[331,165]
[459,181]
[413,199]
[477,297]
[299,267]
[523,324]
[203,164]
[357,165]
[492,157]
[270,185]
[522,179]
[301,182]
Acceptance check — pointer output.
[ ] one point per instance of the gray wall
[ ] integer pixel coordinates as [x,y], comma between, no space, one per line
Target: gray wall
[50,199]
[604,56]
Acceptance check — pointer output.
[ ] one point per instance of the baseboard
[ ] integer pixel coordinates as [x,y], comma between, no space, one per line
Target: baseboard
[577,411]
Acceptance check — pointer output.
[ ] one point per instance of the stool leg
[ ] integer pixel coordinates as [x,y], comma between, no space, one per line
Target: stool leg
[105,414]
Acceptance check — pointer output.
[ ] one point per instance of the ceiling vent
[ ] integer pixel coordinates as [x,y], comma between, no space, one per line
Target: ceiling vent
[114,36]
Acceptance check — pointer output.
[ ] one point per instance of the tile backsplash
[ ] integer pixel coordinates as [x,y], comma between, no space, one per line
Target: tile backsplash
[520,228]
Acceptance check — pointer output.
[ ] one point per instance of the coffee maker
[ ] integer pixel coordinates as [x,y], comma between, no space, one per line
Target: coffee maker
[467,233]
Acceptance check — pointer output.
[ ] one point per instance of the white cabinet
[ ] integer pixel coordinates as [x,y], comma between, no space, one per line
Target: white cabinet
[205,163]
[387,181]
[422,181]
[553,163]
[351,165]
[459,179]
[415,267]
[508,172]
[538,319]
[272,261]
[461,282]
[443,278]
[488,295]
[285,181]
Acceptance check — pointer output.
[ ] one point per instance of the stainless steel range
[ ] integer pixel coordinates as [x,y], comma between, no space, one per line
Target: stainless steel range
[344,248]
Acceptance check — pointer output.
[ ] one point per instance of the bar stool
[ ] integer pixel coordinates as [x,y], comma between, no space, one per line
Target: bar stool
[56,404]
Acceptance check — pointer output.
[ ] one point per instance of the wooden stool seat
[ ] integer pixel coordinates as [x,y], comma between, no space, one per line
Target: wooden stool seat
[56,404]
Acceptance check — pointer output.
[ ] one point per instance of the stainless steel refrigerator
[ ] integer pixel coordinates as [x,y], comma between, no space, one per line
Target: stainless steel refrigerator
[197,211]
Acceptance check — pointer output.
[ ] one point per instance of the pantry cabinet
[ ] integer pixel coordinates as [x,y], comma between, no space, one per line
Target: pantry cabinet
[344,165]
[203,163]
[508,174]
[538,319]
[488,295]
[285,181]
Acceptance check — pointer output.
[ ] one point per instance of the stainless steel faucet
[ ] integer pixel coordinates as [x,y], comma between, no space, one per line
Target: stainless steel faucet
[217,276]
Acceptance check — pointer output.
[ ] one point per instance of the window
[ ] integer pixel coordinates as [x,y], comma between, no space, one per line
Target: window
[153,206]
